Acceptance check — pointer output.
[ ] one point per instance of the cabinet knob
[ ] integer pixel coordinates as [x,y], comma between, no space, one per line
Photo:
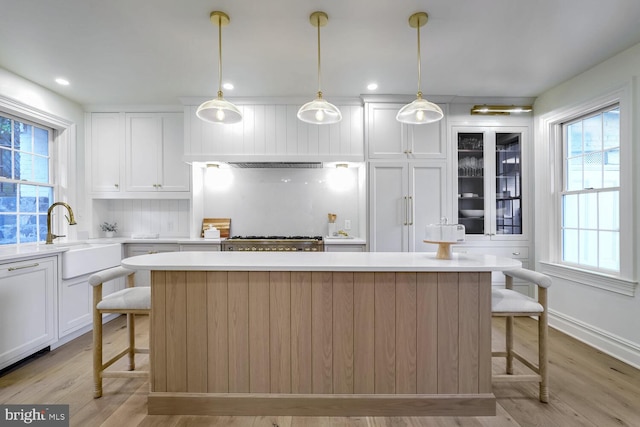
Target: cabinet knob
[116,185]
[408,152]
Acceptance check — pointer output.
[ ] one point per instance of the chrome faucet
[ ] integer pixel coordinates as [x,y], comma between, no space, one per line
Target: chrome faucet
[70,219]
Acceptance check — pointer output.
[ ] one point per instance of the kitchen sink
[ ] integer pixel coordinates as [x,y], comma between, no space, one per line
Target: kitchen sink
[85,258]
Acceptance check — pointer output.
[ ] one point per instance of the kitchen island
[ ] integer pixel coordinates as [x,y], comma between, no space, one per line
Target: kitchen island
[331,334]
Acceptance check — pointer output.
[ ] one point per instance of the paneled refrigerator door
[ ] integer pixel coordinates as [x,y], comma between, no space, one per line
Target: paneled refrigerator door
[428,199]
[388,204]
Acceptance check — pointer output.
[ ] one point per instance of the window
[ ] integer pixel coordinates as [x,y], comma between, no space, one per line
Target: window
[590,198]
[26,190]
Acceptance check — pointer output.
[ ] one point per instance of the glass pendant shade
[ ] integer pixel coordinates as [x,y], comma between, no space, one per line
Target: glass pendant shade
[319,112]
[219,110]
[419,112]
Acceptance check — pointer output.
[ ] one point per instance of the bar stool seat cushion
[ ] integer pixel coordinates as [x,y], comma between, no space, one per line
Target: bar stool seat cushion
[510,301]
[127,299]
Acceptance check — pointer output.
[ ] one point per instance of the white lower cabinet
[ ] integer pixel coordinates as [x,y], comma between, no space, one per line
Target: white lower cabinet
[75,299]
[344,248]
[143,278]
[27,308]
[200,247]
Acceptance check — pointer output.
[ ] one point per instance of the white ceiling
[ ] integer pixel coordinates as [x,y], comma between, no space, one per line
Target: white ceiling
[156,51]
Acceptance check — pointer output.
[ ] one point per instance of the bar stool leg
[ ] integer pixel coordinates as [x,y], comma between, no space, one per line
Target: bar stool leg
[509,344]
[97,343]
[131,327]
[543,357]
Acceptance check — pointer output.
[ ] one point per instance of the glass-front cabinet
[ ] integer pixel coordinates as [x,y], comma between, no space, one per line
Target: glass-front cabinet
[490,182]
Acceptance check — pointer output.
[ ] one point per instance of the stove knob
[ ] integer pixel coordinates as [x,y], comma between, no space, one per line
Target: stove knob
[253,248]
[281,249]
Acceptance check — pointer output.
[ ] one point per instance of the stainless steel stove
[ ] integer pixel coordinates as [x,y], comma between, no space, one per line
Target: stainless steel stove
[274,243]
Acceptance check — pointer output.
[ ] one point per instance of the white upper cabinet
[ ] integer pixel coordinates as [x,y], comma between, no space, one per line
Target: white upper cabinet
[154,153]
[272,132]
[106,151]
[387,138]
[492,178]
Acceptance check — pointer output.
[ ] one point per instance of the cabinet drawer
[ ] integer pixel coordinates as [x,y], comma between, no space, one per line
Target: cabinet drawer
[517,252]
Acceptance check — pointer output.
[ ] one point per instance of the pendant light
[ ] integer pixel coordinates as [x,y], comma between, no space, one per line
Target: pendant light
[219,110]
[419,111]
[319,111]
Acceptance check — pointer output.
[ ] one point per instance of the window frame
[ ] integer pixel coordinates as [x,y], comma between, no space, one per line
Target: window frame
[63,149]
[566,191]
[550,188]
[24,182]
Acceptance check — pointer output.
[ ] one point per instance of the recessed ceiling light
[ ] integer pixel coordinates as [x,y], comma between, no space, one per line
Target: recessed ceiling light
[372,86]
[62,82]
[228,86]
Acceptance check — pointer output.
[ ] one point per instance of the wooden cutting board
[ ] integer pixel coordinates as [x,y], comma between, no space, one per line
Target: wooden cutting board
[222,224]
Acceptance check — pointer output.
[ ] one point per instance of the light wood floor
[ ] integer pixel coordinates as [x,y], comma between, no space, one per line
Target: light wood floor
[587,388]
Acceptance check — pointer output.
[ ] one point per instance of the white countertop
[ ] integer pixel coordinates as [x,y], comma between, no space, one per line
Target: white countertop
[317,261]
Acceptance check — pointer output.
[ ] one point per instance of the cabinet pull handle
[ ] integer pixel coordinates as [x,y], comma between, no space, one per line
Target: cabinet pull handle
[410,210]
[515,253]
[406,211]
[23,267]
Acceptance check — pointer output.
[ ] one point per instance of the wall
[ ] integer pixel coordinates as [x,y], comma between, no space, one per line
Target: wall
[602,318]
[165,218]
[284,201]
[23,98]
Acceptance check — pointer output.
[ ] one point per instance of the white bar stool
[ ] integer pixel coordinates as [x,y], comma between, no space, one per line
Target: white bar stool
[129,301]
[508,303]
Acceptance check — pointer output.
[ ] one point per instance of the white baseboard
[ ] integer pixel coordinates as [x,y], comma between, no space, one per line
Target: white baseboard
[604,341]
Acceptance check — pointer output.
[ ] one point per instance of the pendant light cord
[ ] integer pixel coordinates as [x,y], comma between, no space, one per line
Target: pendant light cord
[419,60]
[319,90]
[219,56]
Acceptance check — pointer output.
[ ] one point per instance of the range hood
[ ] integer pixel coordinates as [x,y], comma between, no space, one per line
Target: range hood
[273,165]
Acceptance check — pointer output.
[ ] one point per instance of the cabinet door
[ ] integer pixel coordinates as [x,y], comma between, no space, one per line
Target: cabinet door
[428,192]
[491,173]
[427,140]
[143,151]
[385,139]
[388,207]
[473,211]
[75,297]
[27,308]
[174,173]
[106,148]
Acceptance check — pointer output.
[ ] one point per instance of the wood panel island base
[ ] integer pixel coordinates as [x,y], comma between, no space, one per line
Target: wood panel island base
[320,334]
